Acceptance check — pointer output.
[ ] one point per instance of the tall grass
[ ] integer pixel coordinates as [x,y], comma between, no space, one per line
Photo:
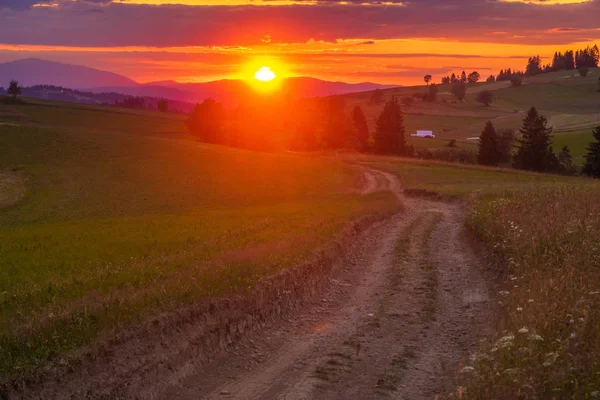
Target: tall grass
[545,243]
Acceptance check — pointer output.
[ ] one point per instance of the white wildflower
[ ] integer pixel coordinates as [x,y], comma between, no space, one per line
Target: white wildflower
[524,330]
[519,309]
[581,319]
[530,301]
[572,335]
[536,337]
[504,293]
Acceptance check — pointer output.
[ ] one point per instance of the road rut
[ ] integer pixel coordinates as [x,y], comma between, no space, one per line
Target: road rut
[413,304]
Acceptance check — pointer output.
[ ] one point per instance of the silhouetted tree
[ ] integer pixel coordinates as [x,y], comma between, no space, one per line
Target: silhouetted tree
[592,158]
[445,80]
[453,78]
[463,77]
[206,121]
[485,97]
[14,89]
[488,146]
[491,78]
[474,77]
[459,90]
[427,79]
[565,161]
[389,131]
[534,66]
[361,128]
[534,152]
[163,105]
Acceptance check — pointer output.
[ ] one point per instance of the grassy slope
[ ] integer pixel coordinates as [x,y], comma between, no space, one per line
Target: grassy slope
[119,223]
[569,100]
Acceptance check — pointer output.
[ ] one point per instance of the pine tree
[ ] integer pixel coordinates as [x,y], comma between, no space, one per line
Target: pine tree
[463,77]
[565,161]
[389,131]
[592,158]
[488,146]
[361,127]
[534,152]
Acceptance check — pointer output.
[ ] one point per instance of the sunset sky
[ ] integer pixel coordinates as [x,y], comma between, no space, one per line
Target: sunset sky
[355,40]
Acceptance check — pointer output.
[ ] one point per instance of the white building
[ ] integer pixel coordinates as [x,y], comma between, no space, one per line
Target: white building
[424,134]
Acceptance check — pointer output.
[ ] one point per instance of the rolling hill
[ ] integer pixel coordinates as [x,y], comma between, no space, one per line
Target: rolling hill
[33,71]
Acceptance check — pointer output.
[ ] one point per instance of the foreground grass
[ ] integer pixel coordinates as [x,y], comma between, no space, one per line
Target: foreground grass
[546,243]
[117,226]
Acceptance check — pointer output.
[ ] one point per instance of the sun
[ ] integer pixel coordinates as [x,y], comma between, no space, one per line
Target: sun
[265,74]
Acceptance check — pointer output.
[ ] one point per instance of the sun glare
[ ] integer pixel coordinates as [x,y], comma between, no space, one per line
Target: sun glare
[265,74]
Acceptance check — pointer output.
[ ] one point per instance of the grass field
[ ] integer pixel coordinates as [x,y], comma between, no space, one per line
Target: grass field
[116,223]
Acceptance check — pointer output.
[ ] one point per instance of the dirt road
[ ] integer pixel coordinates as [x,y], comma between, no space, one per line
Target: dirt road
[411,304]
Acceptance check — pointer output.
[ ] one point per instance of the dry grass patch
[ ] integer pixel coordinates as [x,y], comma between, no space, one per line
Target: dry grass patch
[12,187]
[546,244]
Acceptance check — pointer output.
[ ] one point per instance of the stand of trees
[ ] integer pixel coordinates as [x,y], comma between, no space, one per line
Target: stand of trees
[534,148]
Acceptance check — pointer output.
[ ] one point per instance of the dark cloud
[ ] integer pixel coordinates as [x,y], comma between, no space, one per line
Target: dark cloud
[176,25]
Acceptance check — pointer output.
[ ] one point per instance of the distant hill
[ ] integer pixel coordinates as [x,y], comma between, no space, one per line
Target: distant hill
[32,71]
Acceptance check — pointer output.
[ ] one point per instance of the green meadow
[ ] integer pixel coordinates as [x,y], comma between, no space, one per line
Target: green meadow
[112,216]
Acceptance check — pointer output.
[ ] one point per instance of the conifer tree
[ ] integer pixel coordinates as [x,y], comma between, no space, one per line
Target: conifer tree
[389,131]
[488,146]
[592,158]
[534,152]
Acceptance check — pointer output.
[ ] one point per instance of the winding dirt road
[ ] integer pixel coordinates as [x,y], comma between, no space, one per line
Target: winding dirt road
[411,304]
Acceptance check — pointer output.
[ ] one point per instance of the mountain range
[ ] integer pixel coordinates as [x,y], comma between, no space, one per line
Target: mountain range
[32,71]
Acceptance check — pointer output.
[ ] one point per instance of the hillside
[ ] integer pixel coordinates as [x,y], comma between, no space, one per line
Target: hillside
[571,102]
[33,71]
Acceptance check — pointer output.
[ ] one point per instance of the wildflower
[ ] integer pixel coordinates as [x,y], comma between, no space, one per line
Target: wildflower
[530,301]
[550,359]
[505,341]
[504,293]
[536,337]
[519,309]
[572,335]
[581,319]
[524,330]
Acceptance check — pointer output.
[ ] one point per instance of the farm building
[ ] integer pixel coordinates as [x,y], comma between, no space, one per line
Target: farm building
[424,134]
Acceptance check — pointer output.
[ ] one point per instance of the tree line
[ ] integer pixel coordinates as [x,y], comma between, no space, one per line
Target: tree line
[316,124]
[534,150]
